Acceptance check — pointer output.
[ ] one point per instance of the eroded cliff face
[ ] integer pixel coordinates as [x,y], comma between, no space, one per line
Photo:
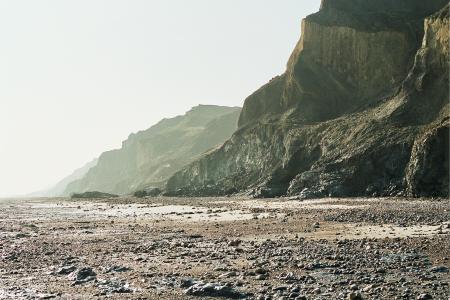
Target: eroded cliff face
[350,54]
[149,157]
[427,173]
[359,111]
[428,170]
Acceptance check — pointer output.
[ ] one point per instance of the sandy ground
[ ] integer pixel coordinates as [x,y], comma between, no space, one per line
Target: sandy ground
[204,248]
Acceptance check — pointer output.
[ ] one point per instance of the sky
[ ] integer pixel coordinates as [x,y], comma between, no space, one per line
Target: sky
[77,77]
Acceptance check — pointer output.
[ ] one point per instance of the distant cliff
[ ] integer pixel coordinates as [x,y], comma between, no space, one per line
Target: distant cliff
[150,157]
[59,188]
[362,110]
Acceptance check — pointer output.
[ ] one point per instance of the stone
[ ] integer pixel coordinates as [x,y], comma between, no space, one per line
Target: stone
[261,277]
[234,243]
[213,290]
[228,275]
[82,275]
[260,271]
[354,287]
[114,286]
[66,270]
[117,269]
[47,296]
[355,296]
[439,269]
[187,282]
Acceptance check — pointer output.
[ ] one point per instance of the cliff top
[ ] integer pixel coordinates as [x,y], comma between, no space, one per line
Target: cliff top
[375,15]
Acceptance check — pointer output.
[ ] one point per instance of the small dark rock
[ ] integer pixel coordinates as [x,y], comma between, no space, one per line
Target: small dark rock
[83,275]
[355,296]
[439,269]
[66,270]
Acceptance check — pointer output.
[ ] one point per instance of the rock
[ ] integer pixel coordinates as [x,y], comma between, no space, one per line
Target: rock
[228,275]
[425,176]
[22,235]
[82,275]
[47,296]
[267,192]
[260,271]
[369,288]
[153,192]
[439,269]
[149,192]
[93,195]
[234,243]
[355,296]
[187,282]
[114,286]
[424,297]
[261,277]
[117,269]
[310,193]
[66,270]
[140,194]
[213,290]
[287,276]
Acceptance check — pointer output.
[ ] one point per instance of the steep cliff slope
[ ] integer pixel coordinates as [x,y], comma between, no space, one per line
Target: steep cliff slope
[361,110]
[149,157]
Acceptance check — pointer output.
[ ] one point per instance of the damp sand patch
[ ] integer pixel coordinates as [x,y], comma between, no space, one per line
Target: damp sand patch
[89,210]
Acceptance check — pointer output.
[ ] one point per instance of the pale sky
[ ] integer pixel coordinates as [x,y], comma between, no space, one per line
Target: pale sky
[78,76]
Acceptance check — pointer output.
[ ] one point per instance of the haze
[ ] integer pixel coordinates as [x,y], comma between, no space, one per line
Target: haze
[77,77]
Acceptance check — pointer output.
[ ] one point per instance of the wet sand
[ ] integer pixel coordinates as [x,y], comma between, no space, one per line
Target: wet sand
[171,248]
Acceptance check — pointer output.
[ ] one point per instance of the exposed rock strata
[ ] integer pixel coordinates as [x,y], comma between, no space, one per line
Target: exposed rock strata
[361,110]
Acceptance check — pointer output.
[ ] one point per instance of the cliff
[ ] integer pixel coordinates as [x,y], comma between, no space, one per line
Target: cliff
[149,157]
[59,188]
[361,110]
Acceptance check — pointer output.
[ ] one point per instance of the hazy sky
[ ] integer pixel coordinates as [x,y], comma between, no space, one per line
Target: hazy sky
[77,77]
